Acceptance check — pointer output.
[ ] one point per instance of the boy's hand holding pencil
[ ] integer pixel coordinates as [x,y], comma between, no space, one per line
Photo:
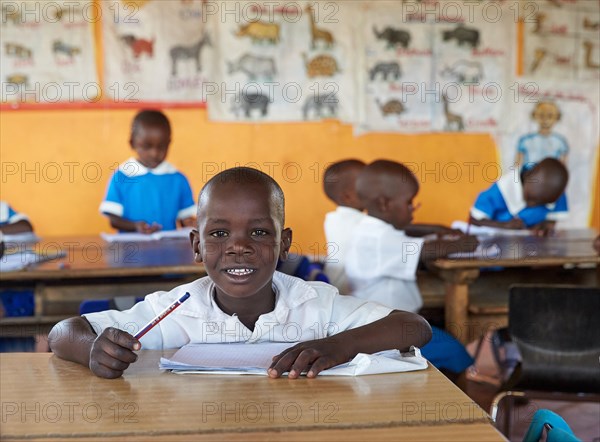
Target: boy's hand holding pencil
[112,352]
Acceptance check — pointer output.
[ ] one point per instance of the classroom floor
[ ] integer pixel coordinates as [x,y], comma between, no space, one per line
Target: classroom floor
[583,418]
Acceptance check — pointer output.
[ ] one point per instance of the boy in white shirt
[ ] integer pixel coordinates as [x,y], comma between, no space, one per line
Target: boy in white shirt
[339,185]
[382,259]
[240,237]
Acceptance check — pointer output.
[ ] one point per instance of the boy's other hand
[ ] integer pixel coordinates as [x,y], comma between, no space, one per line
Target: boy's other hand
[515,223]
[144,227]
[310,356]
[112,352]
[467,243]
[544,228]
[188,222]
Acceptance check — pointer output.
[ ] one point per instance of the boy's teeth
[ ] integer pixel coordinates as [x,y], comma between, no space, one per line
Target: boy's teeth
[239,272]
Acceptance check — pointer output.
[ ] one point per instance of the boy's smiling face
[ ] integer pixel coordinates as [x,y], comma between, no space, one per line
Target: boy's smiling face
[240,238]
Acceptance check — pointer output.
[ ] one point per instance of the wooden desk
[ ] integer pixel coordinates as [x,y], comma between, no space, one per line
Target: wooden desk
[44,397]
[548,254]
[93,268]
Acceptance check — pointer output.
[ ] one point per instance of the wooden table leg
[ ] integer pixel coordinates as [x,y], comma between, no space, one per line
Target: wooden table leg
[457,300]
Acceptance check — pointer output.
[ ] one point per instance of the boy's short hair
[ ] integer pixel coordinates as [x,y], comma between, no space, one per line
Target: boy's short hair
[150,117]
[247,175]
[548,168]
[380,178]
[336,179]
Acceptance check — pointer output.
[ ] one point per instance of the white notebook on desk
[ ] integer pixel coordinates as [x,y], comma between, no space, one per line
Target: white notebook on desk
[241,358]
[20,260]
[183,233]
[488,231]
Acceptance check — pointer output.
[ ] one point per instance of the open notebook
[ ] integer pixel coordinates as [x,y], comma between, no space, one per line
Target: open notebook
[22,259]
[241,358]
[485,231]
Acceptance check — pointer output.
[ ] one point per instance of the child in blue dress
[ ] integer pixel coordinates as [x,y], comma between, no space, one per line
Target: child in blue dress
[147,193]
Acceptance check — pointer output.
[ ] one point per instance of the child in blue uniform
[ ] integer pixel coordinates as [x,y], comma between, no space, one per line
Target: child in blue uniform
[147,193]
[536,200]
[12,222]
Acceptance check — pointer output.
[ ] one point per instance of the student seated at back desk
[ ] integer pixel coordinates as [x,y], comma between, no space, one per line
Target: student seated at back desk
[239,238]
[12,222]
[382,259]
[338,184]
[534,201]
[148,194]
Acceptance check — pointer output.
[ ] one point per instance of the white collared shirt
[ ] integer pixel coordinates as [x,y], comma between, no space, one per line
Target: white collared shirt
[381,265]
[339,226]
[303,311]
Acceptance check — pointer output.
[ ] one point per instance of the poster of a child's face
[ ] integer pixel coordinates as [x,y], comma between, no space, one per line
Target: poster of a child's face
[546,114]
[559,120]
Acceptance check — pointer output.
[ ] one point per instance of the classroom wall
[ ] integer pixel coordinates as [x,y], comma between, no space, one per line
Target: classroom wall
[55,164]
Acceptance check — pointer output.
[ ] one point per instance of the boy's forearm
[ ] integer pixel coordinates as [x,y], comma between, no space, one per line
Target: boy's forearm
[72,340]
[122,224]
[399,330]
[418,230]
[18,227]
[441,248]
[512,224]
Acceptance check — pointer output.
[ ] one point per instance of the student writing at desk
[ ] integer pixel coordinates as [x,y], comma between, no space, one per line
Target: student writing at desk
[382,257]
[147,194]
[239,239]
[534,201]
[339,184]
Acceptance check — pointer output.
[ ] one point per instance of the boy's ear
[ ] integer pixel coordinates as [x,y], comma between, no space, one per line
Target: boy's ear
[286,243]
[195,241]
[382,203]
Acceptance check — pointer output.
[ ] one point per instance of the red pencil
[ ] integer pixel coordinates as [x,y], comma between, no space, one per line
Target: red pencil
[161,316]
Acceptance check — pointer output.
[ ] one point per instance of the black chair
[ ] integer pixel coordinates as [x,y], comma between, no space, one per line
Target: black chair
[557,331]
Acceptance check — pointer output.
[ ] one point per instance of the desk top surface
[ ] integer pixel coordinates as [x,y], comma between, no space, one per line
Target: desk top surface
[92,257]
[45,396]
[564,247]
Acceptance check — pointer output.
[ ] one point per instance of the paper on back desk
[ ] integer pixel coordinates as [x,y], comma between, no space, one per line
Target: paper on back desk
[240,358]
[183,233]
[484,231]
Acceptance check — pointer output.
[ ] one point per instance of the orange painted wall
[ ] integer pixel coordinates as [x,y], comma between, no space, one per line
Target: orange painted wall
[55,164]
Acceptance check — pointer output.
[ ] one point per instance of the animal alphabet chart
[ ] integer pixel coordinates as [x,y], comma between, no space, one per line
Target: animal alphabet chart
[285,62]
[57,68]
[155,50]
[405,66]
[561,39]
[397,62]
[456,59]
